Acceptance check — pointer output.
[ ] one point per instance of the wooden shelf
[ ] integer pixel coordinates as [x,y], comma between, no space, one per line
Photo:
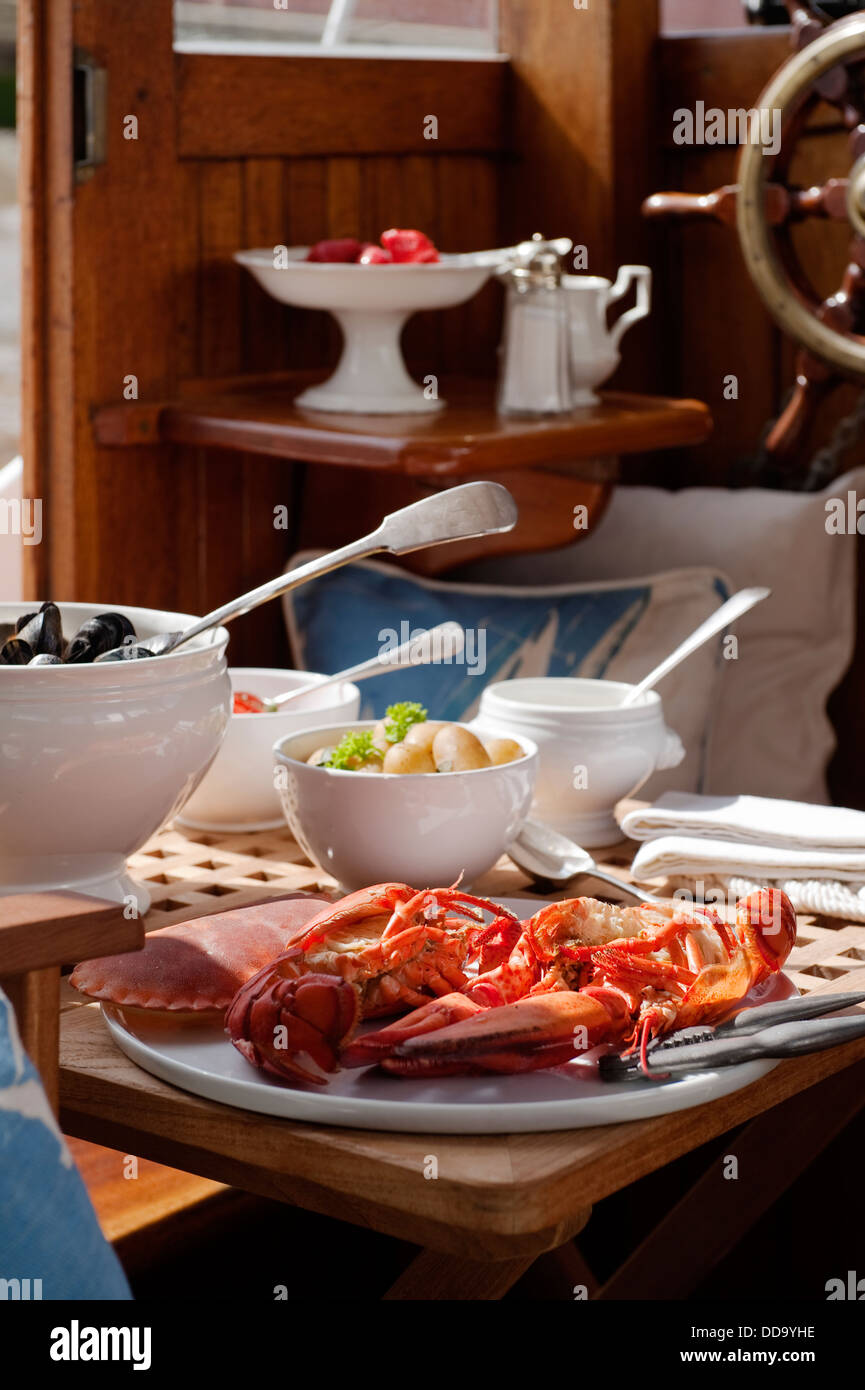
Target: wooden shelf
[465,438]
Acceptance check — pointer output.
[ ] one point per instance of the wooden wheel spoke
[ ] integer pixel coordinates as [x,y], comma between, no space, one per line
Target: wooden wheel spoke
[845,309]
[781,204]
[826,200]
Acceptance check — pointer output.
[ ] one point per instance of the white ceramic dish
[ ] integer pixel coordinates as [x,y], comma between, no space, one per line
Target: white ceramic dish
[95,758]
[371,304]
[237,792]
[594,345]
[376,827]
[200,1059]
[592,752]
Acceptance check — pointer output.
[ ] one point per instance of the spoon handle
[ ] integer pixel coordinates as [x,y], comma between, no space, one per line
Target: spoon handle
[357,550]
[728,612]
[459,513]
[630,888]
[441,643]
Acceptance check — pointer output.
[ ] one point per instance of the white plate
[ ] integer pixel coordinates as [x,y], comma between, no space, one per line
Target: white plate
[199,1058]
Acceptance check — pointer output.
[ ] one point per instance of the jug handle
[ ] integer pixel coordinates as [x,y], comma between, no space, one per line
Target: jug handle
[672,753]
[642,274]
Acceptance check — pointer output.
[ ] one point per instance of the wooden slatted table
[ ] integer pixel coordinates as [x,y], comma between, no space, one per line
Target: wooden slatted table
[498,1202]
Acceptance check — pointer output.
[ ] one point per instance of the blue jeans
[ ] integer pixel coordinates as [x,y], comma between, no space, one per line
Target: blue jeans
[51,1246]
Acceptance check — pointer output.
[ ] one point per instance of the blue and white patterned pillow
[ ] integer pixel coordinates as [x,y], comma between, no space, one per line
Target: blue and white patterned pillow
[617,630]
[51,1246]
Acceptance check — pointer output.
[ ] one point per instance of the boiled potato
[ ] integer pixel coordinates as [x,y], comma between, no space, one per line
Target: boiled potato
[422,735]
[403,759]
[379,738]
[457,750]
[503,750]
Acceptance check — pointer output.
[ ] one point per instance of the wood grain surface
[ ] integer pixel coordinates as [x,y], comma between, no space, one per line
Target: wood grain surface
[510,1196]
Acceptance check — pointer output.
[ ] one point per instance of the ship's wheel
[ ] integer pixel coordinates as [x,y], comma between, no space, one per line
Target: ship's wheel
[828,65]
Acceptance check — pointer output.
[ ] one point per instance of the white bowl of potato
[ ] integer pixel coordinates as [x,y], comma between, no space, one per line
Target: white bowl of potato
[421,809]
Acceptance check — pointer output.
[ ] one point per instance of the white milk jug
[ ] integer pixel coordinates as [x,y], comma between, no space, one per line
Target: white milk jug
[594,345]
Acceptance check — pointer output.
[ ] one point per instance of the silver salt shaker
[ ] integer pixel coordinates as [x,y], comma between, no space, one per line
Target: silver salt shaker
[534,369]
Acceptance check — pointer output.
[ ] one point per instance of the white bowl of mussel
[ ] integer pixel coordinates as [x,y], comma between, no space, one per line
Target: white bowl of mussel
[96,755]
[404,798]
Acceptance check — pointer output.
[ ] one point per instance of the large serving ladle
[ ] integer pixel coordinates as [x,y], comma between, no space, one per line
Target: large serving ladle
[459,513]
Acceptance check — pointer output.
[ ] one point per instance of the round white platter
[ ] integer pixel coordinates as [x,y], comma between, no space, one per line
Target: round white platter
[198,1057]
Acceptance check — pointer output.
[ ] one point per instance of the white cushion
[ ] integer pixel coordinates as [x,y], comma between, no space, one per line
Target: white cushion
[771,735]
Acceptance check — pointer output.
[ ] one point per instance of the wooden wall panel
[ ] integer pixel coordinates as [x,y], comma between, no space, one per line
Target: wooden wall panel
[236,107]
[230,327]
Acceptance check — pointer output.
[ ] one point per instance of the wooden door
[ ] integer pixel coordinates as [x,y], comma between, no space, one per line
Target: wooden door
[130,283]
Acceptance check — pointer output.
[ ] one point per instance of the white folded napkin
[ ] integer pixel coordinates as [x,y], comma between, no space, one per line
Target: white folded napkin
[698,855]
[751,820]
[816,853]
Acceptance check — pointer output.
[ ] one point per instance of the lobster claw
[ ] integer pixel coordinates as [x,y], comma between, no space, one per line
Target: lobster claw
[542,1030]
[274,1021]
[429,1018]
[766,924]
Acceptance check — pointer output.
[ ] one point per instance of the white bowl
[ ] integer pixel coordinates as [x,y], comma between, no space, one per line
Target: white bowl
[95,758]
[371,304]
[424,829]
[238,792]
[592,752]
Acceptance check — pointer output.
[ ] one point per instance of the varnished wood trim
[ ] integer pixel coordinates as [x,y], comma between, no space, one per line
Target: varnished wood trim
[235,107]
[727,71]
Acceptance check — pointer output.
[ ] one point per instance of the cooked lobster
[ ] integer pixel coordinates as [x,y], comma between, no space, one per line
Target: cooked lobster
[576,974]
[375,952]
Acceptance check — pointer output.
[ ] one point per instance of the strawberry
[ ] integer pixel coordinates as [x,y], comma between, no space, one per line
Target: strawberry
[408,245]
[345,249]
[374,255]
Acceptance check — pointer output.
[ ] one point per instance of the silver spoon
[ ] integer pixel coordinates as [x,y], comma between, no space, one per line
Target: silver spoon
[740,603]
[522,251]
[459,513]
[544,854]
[442,643]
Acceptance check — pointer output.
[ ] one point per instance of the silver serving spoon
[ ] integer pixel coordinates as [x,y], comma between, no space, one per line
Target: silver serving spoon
[740,603]
[502,254]
[459,513]
[443,643]
[544,854]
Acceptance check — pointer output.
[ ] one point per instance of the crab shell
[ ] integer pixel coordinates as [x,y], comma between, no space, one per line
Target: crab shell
[199,966]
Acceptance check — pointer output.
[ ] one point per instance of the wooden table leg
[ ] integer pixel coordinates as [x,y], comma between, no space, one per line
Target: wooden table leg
[35,997]
[438,1275]
[771,1153]
[432,1275]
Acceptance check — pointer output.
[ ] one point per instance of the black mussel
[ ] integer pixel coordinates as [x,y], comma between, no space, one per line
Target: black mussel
[24,620]
[43,631]
[46,659]
[14,652]
[100,634]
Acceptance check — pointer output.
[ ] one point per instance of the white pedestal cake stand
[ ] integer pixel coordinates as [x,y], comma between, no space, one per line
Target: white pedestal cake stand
[371,304]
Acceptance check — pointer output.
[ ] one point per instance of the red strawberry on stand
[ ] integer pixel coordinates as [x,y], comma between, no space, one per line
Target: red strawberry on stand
[344,249]
[371,254]
[409,246]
